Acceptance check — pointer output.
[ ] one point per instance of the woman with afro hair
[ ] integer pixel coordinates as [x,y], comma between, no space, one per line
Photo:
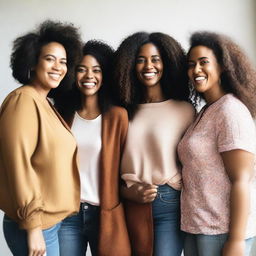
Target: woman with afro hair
[100,130]
[39,182]
[151,82]
[218,151]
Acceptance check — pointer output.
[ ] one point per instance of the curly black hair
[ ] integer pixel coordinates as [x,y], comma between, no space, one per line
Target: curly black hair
[26,51]
[71,101]
[174,82]
[238,75]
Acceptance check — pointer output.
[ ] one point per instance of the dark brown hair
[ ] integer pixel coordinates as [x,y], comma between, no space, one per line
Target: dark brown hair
[71,101]
[238,76]
[26,51]
[174,81]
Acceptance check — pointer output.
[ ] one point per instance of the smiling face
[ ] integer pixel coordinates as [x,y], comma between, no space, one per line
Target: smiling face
[51,67]
[204,71]
[149,65]
[89,76]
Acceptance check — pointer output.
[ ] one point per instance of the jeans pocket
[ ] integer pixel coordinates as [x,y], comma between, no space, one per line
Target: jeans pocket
[170,197]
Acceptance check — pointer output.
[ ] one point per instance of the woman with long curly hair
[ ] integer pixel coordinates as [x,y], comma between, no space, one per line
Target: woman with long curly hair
[218,151]
[39,182]
[151,81]
[100,130]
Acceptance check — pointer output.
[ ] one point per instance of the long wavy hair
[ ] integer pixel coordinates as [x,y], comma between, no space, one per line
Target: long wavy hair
[174,82]
[238,75]
[71,101]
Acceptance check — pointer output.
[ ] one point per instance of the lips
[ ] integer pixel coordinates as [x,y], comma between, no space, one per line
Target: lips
[55,76]
[88,85]
[200,78]
[149,75]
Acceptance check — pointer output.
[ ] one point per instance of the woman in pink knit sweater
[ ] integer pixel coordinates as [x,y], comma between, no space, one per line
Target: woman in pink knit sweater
[218,151]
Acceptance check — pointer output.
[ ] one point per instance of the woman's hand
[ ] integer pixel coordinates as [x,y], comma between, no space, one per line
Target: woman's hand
[234,248]
[140,193]
[36,243]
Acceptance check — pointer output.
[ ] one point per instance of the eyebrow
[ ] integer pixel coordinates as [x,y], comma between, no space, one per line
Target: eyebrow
[150,56]
[201,58]
[96,66]
[51,55]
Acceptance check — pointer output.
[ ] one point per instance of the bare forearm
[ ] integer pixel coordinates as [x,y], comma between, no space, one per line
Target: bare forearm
[239,209]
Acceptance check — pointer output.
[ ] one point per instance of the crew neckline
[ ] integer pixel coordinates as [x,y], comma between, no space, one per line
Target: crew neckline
[155,104]
[89,120]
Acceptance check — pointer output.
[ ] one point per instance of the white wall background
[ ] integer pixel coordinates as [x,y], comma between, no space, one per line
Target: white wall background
[113,20]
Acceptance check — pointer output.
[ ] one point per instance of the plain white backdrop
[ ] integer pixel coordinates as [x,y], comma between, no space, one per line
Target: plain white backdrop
[113,20]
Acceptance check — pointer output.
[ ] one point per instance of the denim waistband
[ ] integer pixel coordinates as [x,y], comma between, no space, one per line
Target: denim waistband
[166,188]
[87,206]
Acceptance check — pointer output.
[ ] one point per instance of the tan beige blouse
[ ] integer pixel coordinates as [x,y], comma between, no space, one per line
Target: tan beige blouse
[39,181]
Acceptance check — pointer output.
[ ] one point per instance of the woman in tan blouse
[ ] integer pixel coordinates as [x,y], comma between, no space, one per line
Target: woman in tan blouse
[39,182]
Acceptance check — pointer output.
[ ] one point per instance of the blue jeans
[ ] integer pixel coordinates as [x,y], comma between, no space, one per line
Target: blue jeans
[78,230]
[168,238]
[16,238]
[209,245]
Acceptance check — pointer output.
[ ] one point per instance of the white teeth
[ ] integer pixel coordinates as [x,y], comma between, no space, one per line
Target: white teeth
[199,78]
[54,76]
[88,85]
[149,74]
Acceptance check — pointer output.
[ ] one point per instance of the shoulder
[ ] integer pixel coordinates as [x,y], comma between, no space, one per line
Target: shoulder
[232,107]
[21,98]
[185,110]
[233,114]
[116,113]
[183,106]
[27,91]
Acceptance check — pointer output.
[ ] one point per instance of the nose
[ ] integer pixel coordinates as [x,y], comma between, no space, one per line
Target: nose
[89,74]
[57,65]
[197,68]
[148,64]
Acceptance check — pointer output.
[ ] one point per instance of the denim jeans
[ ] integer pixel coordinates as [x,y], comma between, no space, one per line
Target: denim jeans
[209,245]
[78,230]
[16,238]
[168,239]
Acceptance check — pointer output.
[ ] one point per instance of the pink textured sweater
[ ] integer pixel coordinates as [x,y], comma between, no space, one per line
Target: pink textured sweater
[150,153]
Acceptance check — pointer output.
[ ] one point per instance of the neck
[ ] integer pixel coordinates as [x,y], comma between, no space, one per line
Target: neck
[153,94]
[90,107]
[214,95]
[40,90]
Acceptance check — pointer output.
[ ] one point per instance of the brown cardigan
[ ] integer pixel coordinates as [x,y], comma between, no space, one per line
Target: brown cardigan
[139,223]
[113,235]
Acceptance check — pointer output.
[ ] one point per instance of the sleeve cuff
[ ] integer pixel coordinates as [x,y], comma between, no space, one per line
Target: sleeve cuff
[32,222]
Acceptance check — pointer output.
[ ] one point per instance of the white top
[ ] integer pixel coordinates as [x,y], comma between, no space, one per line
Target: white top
[150,152]
[88,136]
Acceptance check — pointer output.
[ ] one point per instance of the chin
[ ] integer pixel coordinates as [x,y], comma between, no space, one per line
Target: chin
[150,84]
